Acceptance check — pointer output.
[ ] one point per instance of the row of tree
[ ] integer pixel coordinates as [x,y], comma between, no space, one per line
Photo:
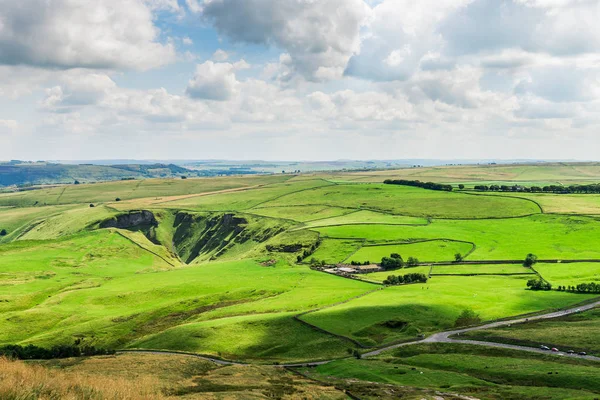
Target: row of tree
[591,287]
[408,278]
[395,261]
[538,284]
[424,185]
[31,352]
[360,263]
[587,189]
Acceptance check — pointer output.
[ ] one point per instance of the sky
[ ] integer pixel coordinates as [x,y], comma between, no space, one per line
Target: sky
[299,79]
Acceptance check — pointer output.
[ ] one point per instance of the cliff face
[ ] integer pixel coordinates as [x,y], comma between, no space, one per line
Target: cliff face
[133,219]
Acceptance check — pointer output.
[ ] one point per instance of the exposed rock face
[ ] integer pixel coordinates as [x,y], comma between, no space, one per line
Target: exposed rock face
[132,219]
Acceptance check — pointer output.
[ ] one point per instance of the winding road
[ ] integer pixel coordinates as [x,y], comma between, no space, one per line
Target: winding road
[441,337]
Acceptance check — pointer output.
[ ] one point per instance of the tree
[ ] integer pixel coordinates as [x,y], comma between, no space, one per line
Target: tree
[396,255]
[118,199]
[76,182]
[458,257]
[467,317]
[412,262]
[538,284]
[391,263]
[461,186]
[183,177]
[92,206]
[3,232]
[530,260]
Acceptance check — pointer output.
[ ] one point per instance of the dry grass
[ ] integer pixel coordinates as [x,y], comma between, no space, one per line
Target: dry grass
[21,381]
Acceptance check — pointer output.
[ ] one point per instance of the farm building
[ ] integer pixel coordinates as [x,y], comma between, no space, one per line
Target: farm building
[365,269]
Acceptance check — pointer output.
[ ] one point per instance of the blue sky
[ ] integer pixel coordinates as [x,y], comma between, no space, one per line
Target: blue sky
[299,79]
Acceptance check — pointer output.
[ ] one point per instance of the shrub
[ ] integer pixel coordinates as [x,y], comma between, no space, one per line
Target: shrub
[412,262]
[538,284]
[467,317]
[3,232]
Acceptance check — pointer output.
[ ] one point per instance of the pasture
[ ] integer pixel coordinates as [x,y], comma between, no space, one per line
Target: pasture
[468,371]
[224,270]
[578,332]
[400,313]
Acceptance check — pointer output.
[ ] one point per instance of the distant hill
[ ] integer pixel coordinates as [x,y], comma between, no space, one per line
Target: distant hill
[35,173]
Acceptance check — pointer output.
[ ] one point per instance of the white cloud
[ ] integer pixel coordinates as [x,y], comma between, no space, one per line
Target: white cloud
[215,81]
[220,55]
[187,41]
[86,33]
[319,36]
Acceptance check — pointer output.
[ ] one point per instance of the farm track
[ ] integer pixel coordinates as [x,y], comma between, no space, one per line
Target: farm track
[441,337]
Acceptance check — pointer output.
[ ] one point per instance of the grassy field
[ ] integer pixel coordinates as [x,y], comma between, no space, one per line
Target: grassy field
[410,201]
[433,306]
[222,269]
[569,274]
[128,293]
[577,332]
[434,250]
[471,371]
[109,191]
[548,236]
[491,269]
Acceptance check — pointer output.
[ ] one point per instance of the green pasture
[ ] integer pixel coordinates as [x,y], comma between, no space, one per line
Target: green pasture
[333,251]
[434,306]
[582,204]
[547,236]
[69,222]
[301,213]
[433,250]
[368,217]
[469,371]
[565,274]
[104,288]
[578,332]
[489,269]
[244,200]
[256,337]
[135,189]
[411,201]
[14,219]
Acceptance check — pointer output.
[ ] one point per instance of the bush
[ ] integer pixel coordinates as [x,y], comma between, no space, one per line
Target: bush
[31,352]
[412,262]
[118,199]
[467,317]
[538,284]
[3,232]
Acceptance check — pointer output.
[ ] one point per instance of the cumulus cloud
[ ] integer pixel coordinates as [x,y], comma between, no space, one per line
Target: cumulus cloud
[559,27]
[319,36]
[88,34]
[215,81]
[399,34]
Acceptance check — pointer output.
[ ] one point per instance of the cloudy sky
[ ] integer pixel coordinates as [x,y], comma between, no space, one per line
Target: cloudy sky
[299,79]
